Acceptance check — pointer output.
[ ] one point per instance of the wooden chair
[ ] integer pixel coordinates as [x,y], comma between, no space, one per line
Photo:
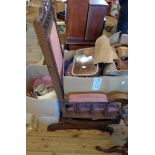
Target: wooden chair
[75,113]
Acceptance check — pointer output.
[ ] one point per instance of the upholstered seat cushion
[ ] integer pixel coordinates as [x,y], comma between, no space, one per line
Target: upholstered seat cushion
[87,97]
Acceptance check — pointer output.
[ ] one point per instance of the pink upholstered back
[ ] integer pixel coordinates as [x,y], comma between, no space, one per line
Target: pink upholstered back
[56,48]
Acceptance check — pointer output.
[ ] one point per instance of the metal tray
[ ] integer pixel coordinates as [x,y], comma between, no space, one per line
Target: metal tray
[83,63]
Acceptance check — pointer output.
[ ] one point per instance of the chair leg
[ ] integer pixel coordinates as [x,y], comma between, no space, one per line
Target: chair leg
[108,129]
[115,149]
[63,125]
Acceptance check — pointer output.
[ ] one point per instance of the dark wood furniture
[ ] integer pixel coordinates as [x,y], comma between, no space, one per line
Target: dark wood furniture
[46,30]
[118,149]
[115,149]
[84,22]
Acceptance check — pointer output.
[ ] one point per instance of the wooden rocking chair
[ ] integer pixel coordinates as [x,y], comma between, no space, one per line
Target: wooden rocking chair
[91,113]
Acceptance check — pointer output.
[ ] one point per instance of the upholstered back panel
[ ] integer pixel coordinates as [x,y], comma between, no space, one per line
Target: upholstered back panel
[56,48]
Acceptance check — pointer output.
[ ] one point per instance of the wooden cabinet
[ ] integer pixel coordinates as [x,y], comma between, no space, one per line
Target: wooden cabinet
[84,22]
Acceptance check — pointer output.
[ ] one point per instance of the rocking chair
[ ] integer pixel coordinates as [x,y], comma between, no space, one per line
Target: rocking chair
[92,111]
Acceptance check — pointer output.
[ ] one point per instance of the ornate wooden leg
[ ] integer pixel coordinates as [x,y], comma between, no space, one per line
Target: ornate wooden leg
[115,149]
[88,125]
[64,126]
[108,129]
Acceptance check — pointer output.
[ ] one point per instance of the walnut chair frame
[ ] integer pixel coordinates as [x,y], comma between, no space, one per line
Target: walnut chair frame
[46,30]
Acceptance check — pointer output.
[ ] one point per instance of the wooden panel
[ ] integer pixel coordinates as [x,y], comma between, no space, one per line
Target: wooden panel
[77,46]
[95,22]
[76,19]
